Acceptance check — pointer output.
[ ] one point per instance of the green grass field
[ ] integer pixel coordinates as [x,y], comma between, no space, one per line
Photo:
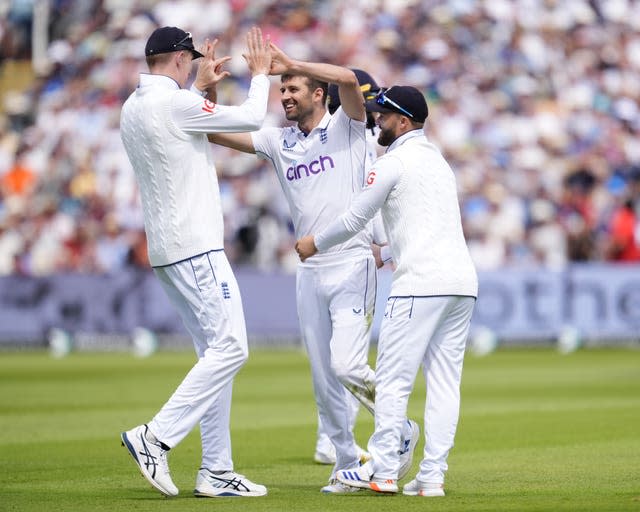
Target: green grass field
[538,431]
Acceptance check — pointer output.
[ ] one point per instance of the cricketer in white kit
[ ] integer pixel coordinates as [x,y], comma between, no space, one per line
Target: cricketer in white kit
[433,292]
[336,290]
[320,166]
[164,130]
[325,452]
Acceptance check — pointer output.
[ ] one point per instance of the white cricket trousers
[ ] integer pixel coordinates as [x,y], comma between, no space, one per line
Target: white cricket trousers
[205,292]
[323,443]
[427,331]
[335,307]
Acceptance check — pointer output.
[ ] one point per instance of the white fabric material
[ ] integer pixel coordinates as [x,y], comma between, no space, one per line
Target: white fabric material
[415,189]
[376,225]
[431,331]
[378,237]
[335,308]
[164,131]
[385,254]
[323,443]
[194,89]
[215,433]
[205,293]
[433,292]
[320,173]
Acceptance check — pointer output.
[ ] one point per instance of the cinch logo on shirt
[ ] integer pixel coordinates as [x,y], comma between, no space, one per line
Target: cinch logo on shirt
[297,172]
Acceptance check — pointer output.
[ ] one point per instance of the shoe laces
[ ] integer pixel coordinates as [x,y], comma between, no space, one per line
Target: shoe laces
[162,459]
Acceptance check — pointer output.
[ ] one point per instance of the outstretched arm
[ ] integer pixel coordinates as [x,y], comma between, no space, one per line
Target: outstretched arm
[239,141]
[258,54]
[348,87]
[383,178]
[210,72]
[206,116]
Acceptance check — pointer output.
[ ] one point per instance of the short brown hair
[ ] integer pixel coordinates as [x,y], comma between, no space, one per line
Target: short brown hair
[312,83]
[159,58]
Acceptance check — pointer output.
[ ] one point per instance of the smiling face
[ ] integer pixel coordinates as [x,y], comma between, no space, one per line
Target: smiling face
[297,98]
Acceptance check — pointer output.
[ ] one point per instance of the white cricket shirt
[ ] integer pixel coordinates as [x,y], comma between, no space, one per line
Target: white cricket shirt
[320,173]
[164,130]
[415,189]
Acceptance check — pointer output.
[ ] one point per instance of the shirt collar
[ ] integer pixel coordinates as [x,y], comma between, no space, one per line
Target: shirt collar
[147,79]
[324,122]
[404,138]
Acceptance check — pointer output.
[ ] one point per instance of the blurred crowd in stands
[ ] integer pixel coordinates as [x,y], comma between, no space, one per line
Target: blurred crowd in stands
[535,103]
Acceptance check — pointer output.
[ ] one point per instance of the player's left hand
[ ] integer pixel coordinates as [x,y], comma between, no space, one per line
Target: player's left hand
[280,61]
[306,247]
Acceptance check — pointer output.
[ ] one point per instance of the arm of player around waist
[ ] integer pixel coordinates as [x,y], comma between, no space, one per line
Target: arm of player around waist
[381,179]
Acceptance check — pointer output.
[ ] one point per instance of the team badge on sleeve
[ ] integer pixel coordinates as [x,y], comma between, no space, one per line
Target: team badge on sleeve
[208,106]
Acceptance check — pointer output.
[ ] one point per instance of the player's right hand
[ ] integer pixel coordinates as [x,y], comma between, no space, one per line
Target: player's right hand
[258,55]
[210,70]
[306,247]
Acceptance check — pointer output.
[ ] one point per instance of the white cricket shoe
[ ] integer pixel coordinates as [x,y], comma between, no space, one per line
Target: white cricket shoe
[418,488]
[327,454]
[336,487]
[151,458]
[408,447]
[229,484]
[362,478]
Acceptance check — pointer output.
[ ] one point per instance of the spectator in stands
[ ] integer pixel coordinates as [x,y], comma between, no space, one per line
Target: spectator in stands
[557,90]
[623,241]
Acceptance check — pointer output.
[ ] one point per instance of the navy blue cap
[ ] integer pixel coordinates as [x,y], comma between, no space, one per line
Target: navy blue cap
[170,39]
[401,99]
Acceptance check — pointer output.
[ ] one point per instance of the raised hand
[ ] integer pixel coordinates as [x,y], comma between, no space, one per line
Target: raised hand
[210,70]
[258,55]
[280,61]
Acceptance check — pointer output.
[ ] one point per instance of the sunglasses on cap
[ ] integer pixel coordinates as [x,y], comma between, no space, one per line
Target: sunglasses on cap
[383,101]
[181,43]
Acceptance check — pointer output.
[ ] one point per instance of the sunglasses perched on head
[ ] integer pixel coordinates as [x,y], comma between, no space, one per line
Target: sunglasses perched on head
[181,43]
[383,101]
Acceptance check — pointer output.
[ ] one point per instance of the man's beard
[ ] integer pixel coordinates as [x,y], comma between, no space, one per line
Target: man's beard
[386,137]
[298,115]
